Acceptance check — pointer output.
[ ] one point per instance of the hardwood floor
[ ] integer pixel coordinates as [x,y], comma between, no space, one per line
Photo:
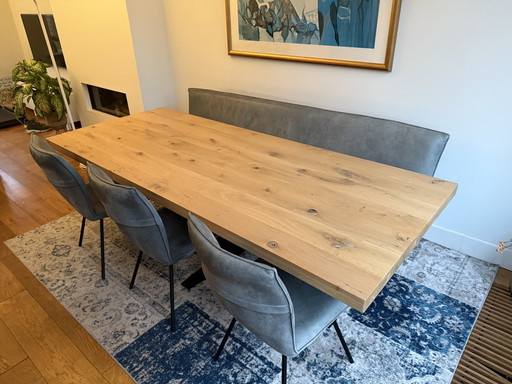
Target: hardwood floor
[41,343]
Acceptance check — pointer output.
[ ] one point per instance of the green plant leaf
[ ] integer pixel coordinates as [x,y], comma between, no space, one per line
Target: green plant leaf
[19,105]
[15,72]
[67,88]
[37,67]
[27,89]
[23,77]
[42,102]
[41,84]
[33,82]
[58,105]
[16,90]
[38,111]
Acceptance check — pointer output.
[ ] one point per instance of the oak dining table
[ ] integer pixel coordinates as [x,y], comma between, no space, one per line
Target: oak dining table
[341,223]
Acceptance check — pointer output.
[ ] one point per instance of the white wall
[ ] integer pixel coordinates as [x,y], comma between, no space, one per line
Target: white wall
[10,46]
[451,73]
[119,45]
[96,41]
[149,36]
[19,7]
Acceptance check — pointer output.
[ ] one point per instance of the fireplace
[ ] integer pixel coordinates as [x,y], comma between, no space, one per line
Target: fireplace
[108,101]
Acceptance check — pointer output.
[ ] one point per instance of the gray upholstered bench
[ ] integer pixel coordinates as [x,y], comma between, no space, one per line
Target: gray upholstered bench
[385,141]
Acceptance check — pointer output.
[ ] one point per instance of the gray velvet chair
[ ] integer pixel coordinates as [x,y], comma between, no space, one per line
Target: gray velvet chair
[61,174]
[283,311]
[160,234]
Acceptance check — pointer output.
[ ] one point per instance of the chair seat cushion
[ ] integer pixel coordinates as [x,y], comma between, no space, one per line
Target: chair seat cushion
[314,310]
[177,234]
[97,206]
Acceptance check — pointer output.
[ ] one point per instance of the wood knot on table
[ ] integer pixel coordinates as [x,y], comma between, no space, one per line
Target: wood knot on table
[352,175]
[338,242]
[401,238]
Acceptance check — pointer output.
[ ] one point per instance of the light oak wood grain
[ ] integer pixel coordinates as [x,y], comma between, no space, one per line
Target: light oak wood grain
[341,223]
[34,330]
[23,373]
[9,284]
[503,278]
[116,375]
[11,352]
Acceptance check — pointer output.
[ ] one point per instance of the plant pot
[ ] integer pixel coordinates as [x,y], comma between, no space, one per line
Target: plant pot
[52,122]
[30,114]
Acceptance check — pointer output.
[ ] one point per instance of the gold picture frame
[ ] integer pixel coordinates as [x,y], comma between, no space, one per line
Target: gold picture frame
[335,32]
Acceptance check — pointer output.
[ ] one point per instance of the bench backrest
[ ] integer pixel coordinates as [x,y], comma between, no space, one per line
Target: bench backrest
[385,141]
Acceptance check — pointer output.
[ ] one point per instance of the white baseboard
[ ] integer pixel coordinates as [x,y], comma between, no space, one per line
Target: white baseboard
[469,245]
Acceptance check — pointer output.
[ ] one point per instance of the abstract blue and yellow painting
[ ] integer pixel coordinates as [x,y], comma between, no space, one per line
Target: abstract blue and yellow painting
[341,23]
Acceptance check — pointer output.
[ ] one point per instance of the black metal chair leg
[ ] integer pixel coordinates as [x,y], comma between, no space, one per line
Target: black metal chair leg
[81,232]
[223,342]
[343,343]
[139,258]
[102,249]
[284,368]
[171,297]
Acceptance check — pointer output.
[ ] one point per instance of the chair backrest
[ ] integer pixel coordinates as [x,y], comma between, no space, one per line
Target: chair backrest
[252,292]
[61,174]
[135,216]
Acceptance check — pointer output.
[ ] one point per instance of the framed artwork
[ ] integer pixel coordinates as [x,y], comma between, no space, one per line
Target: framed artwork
[356,33]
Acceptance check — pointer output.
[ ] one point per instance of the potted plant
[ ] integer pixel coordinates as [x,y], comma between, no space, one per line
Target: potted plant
[32,82]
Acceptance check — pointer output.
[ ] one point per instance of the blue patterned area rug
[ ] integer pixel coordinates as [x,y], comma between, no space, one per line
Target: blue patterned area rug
[414,332]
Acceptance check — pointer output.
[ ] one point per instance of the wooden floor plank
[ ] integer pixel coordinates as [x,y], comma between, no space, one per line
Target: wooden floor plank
[11,352]
[9,284]
[40,209]
[503,278]
[15,217]
[117,375]
[23,373]
[84,341]
[58,362]
[5,231]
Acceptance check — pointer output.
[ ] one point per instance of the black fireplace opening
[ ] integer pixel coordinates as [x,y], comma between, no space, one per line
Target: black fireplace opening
[108,101]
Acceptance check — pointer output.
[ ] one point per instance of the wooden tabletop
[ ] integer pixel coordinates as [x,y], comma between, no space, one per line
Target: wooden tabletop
[341,223]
